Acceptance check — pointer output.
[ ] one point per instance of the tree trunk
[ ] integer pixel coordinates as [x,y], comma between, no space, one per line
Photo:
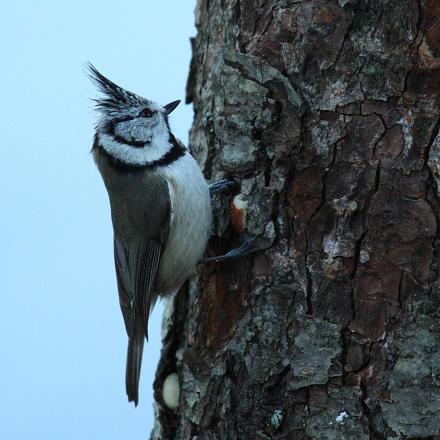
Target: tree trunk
[327,114]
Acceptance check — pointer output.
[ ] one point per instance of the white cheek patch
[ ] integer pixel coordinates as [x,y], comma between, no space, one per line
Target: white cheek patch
[135,130]
[134,155]
[152,151]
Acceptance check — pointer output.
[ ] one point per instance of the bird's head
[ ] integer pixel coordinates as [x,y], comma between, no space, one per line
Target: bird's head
[130,128]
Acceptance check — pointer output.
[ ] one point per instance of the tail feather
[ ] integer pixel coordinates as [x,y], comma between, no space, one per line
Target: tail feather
[134,361]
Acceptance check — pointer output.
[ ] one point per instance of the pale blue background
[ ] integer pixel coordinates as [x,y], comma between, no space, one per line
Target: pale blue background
[62,339]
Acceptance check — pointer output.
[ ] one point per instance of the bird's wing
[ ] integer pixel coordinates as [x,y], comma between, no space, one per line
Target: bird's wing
[137,263]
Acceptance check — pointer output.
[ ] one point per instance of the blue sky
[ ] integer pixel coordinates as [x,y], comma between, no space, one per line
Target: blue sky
[62,338]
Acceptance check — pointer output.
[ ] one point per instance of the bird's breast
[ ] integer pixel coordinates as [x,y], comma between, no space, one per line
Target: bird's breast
[190,223]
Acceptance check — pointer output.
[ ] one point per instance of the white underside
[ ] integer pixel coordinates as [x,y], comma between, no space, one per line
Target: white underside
[190,222]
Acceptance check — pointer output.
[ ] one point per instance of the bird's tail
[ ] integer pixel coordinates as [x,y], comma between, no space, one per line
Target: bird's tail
[134,361]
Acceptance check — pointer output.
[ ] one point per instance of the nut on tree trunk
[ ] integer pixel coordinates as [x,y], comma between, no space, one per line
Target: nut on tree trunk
[327,112]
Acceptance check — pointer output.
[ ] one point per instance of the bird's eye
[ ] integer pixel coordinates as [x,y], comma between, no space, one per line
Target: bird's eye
[145,113]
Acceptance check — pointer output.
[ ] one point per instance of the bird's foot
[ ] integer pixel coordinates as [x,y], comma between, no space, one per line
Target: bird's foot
[247,248]
[222,186]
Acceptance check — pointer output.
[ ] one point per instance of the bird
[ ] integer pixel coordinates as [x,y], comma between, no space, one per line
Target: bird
[160,207]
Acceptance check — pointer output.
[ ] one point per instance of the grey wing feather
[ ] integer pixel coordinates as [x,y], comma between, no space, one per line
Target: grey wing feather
[136,268]
[125,286]
[137,261]
[143,265]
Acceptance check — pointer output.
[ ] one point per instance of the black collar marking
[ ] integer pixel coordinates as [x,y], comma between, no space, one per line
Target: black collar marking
[176,151]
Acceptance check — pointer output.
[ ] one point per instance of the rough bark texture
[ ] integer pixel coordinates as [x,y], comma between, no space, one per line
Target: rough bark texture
[327,113]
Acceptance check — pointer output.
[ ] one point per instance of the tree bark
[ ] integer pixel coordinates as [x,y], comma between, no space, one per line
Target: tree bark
[327,114]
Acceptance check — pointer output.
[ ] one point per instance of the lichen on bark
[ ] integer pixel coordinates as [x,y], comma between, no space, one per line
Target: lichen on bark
[414,388]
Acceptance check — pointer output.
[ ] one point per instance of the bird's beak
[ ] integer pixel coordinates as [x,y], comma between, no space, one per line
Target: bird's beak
[171,106]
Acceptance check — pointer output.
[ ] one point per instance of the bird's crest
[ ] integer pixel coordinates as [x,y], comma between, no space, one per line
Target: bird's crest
[115,96]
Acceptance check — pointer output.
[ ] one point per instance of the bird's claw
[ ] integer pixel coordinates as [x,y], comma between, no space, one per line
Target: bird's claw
[247,248]
[221,186]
